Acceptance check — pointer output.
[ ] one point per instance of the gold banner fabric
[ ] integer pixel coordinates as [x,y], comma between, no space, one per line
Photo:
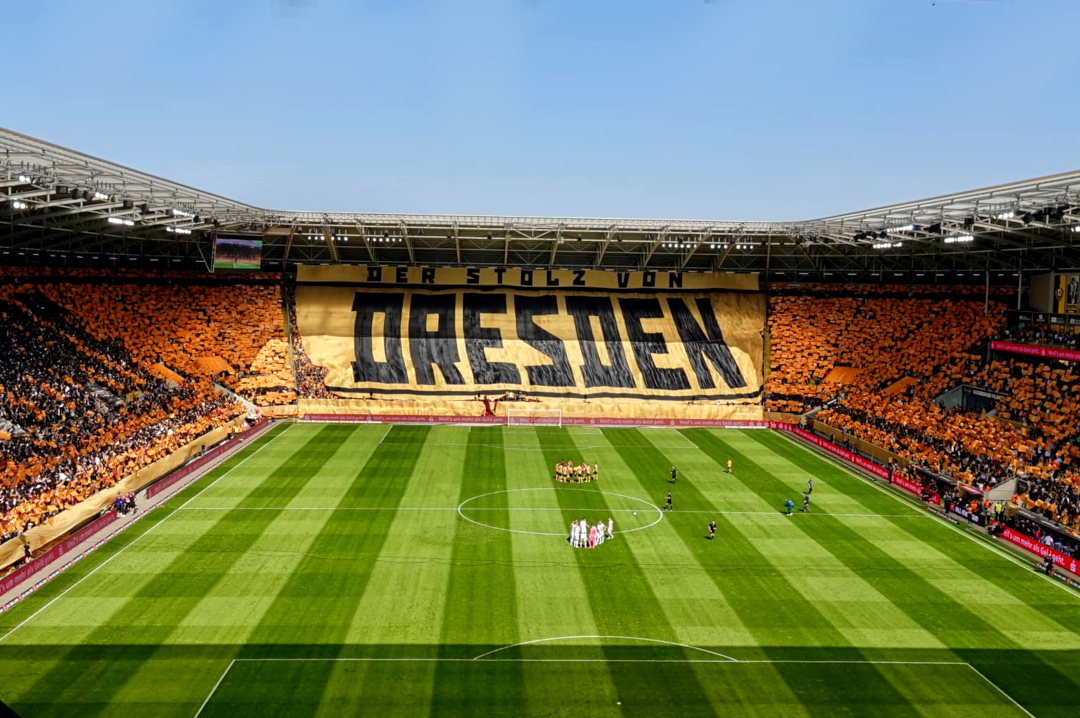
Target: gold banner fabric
[549,279]
[419,409]
[463,343]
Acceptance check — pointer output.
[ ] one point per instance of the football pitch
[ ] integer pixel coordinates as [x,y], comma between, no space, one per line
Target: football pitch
[339,570]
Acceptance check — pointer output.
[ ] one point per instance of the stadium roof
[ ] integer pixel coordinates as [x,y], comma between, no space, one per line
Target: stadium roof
[62,207]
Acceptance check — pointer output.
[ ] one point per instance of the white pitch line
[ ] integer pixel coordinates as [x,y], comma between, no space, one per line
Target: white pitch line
[136,539]
[940,521]
[777,512]
[1002,692]
[214,689]
[731,662]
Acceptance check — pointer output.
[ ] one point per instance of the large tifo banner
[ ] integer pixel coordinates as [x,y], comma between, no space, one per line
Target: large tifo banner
[667,336]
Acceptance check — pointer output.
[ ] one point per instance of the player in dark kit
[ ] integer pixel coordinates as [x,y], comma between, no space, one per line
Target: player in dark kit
[667,506]
[674,474]
[809,487]
[712,530]
[806,504]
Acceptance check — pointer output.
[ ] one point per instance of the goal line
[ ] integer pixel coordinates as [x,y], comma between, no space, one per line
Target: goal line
[534,417]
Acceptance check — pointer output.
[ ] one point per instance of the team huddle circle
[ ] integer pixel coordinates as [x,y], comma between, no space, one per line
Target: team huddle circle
[552,511]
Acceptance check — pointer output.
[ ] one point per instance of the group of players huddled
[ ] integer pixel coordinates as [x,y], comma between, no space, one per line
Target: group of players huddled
[567,472]
[582,535]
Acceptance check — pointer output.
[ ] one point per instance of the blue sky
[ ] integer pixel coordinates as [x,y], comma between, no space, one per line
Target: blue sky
[730,109]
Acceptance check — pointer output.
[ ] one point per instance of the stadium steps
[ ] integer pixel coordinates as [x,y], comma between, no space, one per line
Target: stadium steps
[105,396]
[251,408]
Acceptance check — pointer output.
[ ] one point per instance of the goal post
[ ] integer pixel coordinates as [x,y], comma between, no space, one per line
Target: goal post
[534,417]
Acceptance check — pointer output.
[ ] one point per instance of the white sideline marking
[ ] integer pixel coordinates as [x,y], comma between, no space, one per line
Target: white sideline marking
[125,548]
[214,690]
[386,434]
[940,521]
[624,638]
[562,534]
[996,686]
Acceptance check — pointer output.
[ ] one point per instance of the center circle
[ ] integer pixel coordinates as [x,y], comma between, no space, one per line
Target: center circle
[561,534]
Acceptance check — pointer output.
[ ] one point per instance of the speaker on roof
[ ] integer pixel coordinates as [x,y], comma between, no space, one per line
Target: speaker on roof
[128,204]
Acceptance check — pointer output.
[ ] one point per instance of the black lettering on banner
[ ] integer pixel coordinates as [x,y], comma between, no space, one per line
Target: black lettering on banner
[558,373]
[648,279]
[552,281]
[646,344]
[526,277]
[624,280]
[499,272]
[365,368]
[437,347]
[477,339]
[374,274]
[674,280]
[579,277]
[705,344]
[401,275]
[593,370]
[427,275]
[472,275]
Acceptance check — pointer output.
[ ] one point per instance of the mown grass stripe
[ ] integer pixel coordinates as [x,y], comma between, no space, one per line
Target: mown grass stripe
[92,562]
[981,566]
[144,617]
[954,624]
[764,603]
[552,596]
[327,586]
[480,603]
[625,592]
[1053,604]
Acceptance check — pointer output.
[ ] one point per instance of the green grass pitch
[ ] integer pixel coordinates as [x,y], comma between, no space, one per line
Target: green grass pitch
[339,570]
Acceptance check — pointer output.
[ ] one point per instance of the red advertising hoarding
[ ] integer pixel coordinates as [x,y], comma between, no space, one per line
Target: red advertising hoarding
[1026,542]
[1036,351]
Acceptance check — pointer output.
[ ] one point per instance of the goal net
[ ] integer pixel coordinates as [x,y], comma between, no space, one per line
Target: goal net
[534,417]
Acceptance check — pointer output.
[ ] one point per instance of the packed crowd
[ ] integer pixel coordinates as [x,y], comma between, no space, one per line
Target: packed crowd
[184,326]
[83,412]
[310,379]
[1043,335]
[898,353]
[878,335]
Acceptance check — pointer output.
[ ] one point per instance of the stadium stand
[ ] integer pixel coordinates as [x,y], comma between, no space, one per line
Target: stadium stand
[884,332]
[310,379]
[82,411]
[215,327]
[879,357]
[1042,335]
